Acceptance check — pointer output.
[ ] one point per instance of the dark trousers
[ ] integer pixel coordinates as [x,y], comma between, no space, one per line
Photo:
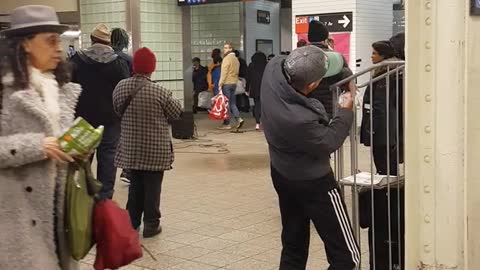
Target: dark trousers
[106,170]
[381,162]
[380,241]
[257,109]
[195,101]
[144,198]
[318,201]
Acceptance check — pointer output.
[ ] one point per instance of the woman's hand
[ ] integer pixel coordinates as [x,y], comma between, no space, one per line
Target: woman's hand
[53,151]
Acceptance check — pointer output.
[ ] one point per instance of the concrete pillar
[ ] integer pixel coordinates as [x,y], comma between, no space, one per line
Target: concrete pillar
[442,136]
[472,143]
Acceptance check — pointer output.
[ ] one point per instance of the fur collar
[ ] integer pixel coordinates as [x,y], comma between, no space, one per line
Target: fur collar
[382,70]
[47,87]
[31,101]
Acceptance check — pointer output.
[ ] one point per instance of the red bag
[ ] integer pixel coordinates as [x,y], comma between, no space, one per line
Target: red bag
[220,109]
[117,242]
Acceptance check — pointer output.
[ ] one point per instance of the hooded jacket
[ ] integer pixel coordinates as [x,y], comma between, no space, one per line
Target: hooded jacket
[255,74]
[323,92]
[98,70]
[297,128]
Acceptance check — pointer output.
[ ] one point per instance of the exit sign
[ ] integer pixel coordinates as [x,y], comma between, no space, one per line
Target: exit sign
[263,16]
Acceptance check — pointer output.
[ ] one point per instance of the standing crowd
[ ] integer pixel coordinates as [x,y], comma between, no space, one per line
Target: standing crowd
[42,92]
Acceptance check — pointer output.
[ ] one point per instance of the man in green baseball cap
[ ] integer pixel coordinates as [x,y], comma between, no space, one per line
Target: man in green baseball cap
[301,139]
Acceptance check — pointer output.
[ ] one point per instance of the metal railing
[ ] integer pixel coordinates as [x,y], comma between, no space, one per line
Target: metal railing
[377,199]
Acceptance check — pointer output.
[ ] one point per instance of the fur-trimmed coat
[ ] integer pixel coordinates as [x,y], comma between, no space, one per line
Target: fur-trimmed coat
[33,187]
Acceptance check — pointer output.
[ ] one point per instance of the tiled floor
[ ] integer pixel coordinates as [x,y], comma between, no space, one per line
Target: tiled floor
[219,209]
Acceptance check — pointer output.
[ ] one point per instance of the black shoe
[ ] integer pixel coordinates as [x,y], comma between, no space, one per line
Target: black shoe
[148,233]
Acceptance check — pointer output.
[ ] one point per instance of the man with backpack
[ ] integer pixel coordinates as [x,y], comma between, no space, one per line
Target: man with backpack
[98,69]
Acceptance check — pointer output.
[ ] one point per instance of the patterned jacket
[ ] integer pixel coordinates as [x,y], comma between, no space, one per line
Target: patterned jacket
[145,140]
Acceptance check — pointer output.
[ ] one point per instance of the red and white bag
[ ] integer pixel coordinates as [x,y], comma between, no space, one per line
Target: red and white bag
[220,109]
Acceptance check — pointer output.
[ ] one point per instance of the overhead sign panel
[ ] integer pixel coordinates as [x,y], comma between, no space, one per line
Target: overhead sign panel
[335,22]
[263,16]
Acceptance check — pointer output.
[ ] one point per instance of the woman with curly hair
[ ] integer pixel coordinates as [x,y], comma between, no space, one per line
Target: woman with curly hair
[38,103]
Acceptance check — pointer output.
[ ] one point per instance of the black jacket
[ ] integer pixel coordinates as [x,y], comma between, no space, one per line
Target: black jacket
[127,59]
[298,131]
[242,73]
[323,92]
[199,78]
[98,70]
[255,74]
[379,93]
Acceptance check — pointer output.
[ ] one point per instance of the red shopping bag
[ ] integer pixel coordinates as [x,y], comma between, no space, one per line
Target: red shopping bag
[220,109]
[117,242]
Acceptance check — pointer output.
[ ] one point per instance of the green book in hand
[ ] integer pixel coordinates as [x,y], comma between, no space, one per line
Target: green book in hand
[81,138]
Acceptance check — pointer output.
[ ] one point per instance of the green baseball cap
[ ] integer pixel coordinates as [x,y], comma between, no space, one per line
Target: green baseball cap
[309,64]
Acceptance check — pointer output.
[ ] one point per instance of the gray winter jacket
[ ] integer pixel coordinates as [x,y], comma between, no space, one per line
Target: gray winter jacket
[32,187]
[297,128]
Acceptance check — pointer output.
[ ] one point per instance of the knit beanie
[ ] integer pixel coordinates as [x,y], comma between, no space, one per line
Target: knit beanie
[384,48]
[144,61]
[317,32]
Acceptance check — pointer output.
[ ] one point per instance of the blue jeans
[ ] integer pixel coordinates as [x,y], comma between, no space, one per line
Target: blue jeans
[229,91]
[106,170]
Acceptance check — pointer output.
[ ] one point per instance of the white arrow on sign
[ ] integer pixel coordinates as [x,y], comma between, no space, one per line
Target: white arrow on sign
[346,21]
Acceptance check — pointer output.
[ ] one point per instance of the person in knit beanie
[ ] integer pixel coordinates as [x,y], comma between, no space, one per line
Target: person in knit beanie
[144,61]
[317,32]
[145,109]
[318,36]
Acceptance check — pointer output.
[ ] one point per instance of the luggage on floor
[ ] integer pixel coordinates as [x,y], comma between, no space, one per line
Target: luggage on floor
[184,128]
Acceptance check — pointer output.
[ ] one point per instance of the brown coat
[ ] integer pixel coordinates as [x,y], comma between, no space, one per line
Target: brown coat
[30,184]
[230,70]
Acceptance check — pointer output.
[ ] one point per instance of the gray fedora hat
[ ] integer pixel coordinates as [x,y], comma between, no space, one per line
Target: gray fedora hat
[33,19]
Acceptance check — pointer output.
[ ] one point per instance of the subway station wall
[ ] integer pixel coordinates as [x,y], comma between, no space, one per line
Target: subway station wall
[213,25]
[161,31]
[259,31]
[92,12]
[373,21]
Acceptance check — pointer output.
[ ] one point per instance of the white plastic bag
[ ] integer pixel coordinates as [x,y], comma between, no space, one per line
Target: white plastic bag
[205,99]
[241,87]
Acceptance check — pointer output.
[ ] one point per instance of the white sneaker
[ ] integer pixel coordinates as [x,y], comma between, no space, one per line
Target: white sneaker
[240,123]
[225,127]
[125,179]
[257,127]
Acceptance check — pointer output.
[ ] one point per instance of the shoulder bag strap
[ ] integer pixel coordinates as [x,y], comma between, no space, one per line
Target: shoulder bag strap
[132,95]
